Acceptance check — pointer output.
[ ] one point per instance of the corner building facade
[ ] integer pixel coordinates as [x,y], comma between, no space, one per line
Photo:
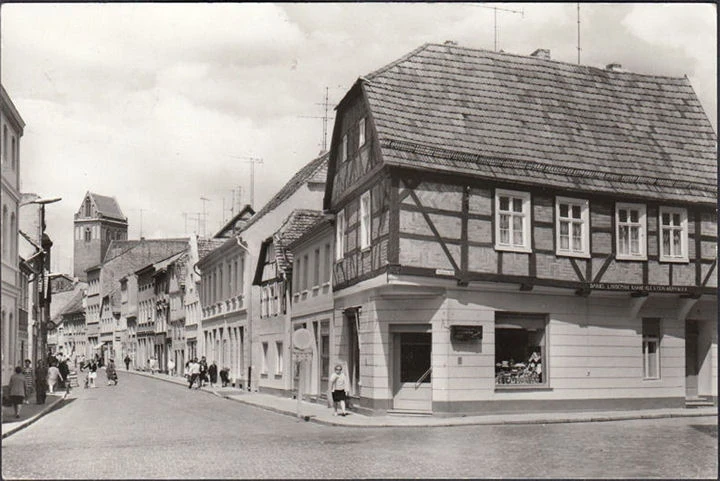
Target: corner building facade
[490,259]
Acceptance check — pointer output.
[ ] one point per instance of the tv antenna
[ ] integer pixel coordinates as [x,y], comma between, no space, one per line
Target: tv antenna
[495,13]
[252,161]
[325,117]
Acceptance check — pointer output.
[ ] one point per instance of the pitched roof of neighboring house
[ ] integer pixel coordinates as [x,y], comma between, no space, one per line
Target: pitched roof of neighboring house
[314,171]
[147,251]
[67,302]
[294,226]
[107,206]
[537,121]
[119,247]
[74,305]
[237,222]
[206,246]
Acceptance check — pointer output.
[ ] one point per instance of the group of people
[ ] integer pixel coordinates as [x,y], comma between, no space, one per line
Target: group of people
[199,372]
[51,373]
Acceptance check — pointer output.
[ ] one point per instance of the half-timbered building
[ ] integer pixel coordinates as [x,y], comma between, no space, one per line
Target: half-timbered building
[517,233]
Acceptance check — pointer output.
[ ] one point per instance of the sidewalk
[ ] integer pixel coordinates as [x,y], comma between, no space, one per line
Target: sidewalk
[29,413]
[319,413]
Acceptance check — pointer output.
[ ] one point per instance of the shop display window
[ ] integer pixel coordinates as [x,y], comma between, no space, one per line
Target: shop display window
[520,349]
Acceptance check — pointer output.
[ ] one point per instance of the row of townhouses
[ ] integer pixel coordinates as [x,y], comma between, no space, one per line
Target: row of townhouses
[488,232]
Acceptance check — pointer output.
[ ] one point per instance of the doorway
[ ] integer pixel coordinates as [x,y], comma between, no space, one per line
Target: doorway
[693,360]
[412,371]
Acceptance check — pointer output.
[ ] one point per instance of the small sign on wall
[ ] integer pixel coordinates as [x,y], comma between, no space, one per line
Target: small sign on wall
[466,333]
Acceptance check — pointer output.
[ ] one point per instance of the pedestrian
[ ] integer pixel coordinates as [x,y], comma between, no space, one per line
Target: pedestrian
[29,380]
[194,372]
[18,390]
[41,382]
[224,376]
[53,376]
[82,362]
[171,367]
[213,372]
[203,371]
[127,362]
[186,372]
[153,365]
[92,372]
[64,371]
[111,373]
[338,384]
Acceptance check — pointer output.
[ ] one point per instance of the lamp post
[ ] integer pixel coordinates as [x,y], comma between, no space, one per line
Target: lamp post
[43,294]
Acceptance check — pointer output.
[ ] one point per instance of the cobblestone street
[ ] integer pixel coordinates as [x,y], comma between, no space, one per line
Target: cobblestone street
[144,428]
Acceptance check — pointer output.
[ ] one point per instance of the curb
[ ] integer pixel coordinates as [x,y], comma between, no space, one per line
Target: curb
[29,421]
[589,418]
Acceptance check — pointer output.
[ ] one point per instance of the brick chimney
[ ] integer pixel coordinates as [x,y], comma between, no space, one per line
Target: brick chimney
[541,53]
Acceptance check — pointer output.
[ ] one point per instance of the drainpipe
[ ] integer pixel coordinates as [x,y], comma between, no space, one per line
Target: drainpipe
[243,246]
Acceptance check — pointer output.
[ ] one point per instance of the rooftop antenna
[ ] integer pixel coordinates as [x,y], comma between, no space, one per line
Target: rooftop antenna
[141,211]
[252,161]
[204,218]
[495,12]
[578,35]
[325,117]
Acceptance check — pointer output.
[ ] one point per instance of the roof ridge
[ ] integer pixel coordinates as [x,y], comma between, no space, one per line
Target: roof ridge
[387,67]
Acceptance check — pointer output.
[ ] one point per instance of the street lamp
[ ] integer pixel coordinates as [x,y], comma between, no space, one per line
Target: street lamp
[43,293]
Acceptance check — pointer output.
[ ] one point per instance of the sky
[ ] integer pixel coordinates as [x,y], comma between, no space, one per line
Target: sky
[162,105]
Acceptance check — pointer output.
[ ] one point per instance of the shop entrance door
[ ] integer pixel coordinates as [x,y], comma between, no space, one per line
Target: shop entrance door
[412,371]
[691,360]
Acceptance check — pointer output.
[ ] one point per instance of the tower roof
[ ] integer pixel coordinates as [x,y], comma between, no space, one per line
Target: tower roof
[106,206]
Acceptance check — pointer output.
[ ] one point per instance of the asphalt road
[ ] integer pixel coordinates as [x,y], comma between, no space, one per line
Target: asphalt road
[145,428]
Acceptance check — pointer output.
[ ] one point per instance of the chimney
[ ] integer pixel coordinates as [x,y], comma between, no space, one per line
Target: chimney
[614,67]
[541,53]
[451,42]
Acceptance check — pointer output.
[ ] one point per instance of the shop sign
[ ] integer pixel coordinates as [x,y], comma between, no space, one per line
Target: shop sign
[606,286]
[466,333]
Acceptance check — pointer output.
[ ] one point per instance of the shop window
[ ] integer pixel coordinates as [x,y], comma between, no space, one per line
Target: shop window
[651,348]
[520,349]
[630,223]
[512,221]
[673,235]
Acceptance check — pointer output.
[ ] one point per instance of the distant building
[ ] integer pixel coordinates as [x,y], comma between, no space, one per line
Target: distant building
[13,343]
[98,222]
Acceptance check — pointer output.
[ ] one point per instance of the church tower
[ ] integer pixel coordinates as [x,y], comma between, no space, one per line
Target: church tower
[98,222]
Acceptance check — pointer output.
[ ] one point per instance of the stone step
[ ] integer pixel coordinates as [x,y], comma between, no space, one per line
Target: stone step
[698,402]
[408,412]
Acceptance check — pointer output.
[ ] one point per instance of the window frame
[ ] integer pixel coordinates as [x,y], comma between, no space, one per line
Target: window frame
[340,230]
[584,222]
[361,132]
[641,224]
[683,228]
[524,321]
[279,358]
[365,220]
[526,213]
[263,359]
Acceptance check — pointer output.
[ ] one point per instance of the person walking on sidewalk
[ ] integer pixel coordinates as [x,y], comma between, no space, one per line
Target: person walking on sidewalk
[92,372]
[338,384]
[18,390]
[111,372]
[203,371]
[194,373]
[213,372]
[171,367]
[127,362]
[53,376]
[64,371]
[29,380]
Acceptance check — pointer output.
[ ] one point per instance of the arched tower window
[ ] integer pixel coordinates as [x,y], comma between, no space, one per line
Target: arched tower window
[88,207]
[88,234]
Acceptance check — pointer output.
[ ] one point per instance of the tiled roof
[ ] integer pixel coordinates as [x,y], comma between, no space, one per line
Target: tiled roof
[75,304]
[314,171]
[293,227]
[107,206]
[538,121]
[236,222]
[206,246]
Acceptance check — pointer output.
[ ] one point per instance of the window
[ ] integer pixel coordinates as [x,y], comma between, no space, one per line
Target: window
[327,266]
[340,236]
[630,232]
[344,149]
[361,132]
[296,275]
[88,234]
[520,349]
[651,348]
[572,227]
[263,365]
[13,152]
[88,210]
[4,231]
[273,301]
[316,268]
[279,358]
[512,221]
[305,273]
[5,145]
[673,235]
[365,220]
